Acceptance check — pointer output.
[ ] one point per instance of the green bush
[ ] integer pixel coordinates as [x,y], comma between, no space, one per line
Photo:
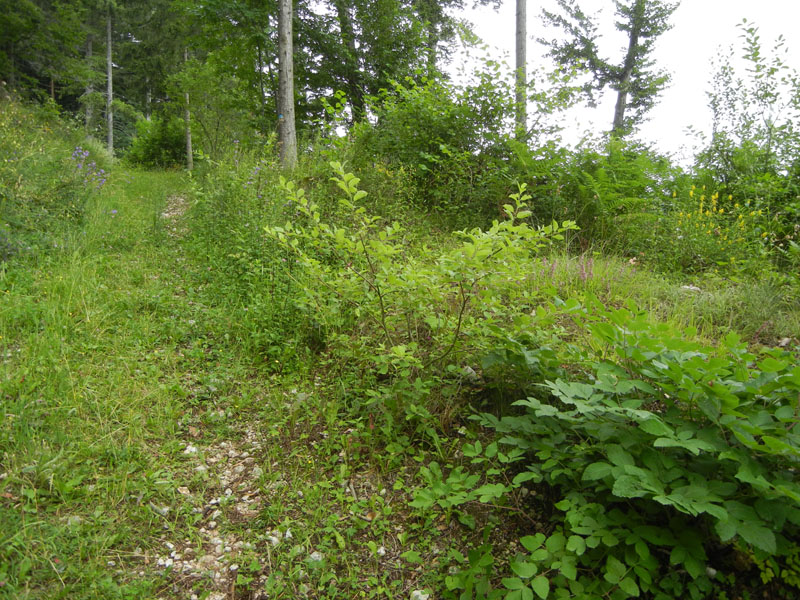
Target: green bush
[160,142]
[399,323]
[669,467]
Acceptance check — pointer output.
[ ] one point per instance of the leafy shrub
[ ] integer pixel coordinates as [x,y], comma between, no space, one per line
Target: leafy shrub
[396,323]
[160,142]
[701,232]
[672,466]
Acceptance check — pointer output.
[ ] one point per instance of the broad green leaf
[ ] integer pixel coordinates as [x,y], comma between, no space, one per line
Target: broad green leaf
[555,542]
[541,585]
[596,471]
[532,542]
[772,365]
[513,583]
[627,486]
[576,544]
[491,491]
[615,570]
[525,570]
[412,556]
[758,536]
[628,585]
[656,427]
[618,456]
[568,568]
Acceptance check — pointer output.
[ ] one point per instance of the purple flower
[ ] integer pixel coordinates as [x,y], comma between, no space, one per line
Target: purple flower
[113,211]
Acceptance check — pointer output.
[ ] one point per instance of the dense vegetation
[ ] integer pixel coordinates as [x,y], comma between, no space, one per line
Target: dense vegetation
[437,359]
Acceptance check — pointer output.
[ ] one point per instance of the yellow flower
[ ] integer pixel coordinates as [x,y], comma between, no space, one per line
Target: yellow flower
[721,211]
[691,193]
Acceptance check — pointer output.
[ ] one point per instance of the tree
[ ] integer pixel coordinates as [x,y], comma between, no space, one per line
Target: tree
[522,70]
[109,84]
[286,127]
[636,80]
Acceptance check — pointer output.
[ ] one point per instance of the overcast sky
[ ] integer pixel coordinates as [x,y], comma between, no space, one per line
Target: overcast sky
[702,30]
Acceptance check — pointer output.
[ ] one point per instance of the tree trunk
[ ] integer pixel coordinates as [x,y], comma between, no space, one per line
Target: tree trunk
[287,135]
[148,98]
[618,126]
[521,120]
[110,87]
[188,118]
[89,87]
[52,88]
[262,99]
[354,88]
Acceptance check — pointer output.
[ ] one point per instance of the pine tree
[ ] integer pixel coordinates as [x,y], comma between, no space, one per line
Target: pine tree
[636,79]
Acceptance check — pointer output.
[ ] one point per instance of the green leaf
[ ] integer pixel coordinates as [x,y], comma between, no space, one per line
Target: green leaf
[525,570]
[628,585]
[576,544]
[541,585]
[491,491]
[568,569]
[771,365]
[532,542]
[654,426]
[595,471]
[555,542]
[758,536]
[359,195]
[513,583]
[618,456]
[412,556]
[615,570]
[627,486]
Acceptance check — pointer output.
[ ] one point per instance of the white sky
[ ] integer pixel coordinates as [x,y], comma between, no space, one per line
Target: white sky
[702,29]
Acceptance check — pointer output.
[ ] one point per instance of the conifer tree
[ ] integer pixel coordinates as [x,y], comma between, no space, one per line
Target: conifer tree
[636,79]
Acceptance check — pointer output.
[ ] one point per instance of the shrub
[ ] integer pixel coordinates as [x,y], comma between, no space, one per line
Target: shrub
[160,142]
[670,467]
[398,323]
